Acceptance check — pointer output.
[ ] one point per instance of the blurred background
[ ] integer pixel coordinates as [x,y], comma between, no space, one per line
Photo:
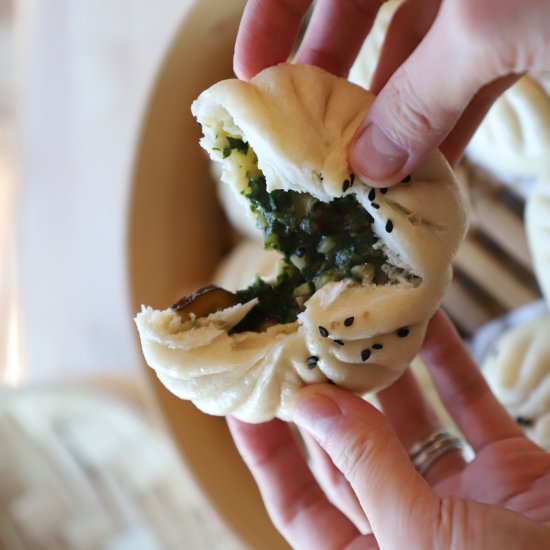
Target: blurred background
[85,461]
[106,203]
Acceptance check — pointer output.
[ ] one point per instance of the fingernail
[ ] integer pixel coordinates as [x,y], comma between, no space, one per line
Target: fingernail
[317,413]
[375,156]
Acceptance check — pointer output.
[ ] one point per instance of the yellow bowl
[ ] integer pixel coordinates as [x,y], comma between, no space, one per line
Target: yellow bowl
[177,237]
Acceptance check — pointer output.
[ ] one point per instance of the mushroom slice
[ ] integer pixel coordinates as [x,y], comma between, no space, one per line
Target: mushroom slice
[203,302]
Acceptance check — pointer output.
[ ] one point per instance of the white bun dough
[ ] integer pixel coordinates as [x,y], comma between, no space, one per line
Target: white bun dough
[513,140]
[537,223]
[242,222]
[299,121]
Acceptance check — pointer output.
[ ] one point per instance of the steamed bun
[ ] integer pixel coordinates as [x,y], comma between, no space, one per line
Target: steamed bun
[282,140]
[518,372]
[514,138]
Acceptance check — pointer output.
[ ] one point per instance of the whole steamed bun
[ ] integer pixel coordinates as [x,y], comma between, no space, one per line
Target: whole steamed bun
[518,372]
[289,128]
[513,140]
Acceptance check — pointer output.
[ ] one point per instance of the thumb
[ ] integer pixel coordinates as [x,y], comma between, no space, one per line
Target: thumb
[422,101]
[399,504]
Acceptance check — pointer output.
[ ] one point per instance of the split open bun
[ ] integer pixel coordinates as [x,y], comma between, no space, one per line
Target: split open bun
[517,371]
[299,121]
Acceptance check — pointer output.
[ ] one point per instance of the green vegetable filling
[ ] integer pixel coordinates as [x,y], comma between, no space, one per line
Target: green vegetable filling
[320,243]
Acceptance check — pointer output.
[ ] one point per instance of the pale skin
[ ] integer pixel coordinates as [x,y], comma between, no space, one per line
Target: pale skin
[443,65]
[367,494]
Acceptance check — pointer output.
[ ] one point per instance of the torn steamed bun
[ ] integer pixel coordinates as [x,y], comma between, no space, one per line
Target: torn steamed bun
[517,371]
[361,272]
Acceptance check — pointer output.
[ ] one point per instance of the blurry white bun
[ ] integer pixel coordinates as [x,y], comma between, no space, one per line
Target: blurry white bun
[299,121]
[517,370]
[514,138]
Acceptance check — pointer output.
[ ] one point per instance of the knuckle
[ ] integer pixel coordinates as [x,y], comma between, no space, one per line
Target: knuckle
[452,522]
[354,454]
[413,118]
[478,24]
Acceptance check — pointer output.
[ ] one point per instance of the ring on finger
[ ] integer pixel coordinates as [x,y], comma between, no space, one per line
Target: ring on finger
[425,452]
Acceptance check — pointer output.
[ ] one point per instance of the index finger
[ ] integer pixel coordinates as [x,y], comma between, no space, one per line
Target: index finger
[267,33]
[462,387]
[295,502]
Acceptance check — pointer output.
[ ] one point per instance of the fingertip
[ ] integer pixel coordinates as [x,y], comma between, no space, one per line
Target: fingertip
[375,158]
[245,62]
[322,408]
[241,69]
[363,446]
[316,410]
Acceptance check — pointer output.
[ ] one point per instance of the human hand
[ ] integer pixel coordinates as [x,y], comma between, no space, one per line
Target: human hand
[498,500]
[442,66]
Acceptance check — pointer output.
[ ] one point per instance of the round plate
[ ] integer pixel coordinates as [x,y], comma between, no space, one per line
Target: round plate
[177,237]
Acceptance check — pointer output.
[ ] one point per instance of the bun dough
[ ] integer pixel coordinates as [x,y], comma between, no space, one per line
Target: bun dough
[363,69]
[517,370]
[243,223]
[537,222]
[248,260]
[514,138]
[299,121]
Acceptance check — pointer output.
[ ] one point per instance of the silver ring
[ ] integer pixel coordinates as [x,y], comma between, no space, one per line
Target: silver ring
[425,452]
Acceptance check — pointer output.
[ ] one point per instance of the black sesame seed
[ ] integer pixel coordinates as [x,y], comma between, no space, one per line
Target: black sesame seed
[349,321]
[524,422]
[383,190]
[403,332]
[374,205]
[300,251]
[406,179]
[365,354]
[377,346]
[312,361]
[351,179]
[323,331]
[339,342]
[389,226]
[345,186]
[372,194]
